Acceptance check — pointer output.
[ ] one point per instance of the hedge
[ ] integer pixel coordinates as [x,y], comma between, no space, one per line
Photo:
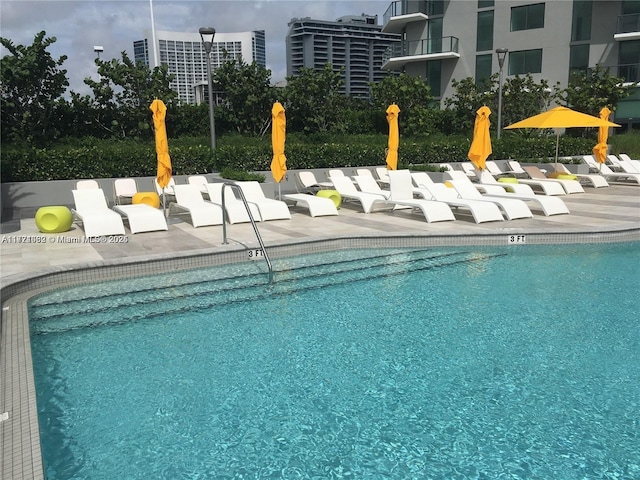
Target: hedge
[93,158]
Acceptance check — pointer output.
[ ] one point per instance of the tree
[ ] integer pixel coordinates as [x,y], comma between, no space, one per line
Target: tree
[31,89]
[313,100]
[521,98]
[413,97]
[124,92]
[467,99]
[588,92]
[248,96]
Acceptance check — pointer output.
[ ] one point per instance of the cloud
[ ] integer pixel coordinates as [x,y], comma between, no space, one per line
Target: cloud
[115,25]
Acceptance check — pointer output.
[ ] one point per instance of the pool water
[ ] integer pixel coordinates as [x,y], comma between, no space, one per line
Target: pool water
[469,363]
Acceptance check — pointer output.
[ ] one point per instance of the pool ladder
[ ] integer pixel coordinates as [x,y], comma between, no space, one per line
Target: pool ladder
[253,224]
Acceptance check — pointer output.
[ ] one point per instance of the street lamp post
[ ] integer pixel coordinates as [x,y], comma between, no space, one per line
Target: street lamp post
[207,34]
[502,54]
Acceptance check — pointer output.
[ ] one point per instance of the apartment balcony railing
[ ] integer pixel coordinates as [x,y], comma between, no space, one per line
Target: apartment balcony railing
[407,7]
[628,23]
[628,27]
[630,72]
[402,12]
[420,50]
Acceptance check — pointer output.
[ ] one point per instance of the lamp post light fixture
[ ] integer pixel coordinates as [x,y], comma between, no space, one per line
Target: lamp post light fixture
[502,54]
[207,34]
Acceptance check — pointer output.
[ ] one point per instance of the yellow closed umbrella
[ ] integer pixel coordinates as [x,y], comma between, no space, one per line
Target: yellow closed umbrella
[278,132]
[561,117]
[600,150]
[162,145]
[481,144]
[394,137]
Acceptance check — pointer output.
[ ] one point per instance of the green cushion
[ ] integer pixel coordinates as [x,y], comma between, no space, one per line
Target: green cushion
[54,219]
[508,180]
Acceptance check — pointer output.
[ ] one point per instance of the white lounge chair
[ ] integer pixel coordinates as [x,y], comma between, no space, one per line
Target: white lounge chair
[383,174]
[596,181]
[549,205]
[469,169]
[306,181]
[623,165]
[317,206]
[369,201]
[87,184]
[234,207]
[166,195]
[142,217]
[626,158]
[189,201]
[547,187]
[570,186]
[123,190]
[401,189]
[368,184]
[511,207]
[92,211]
[168,190]
[365,172]
[604,170]
[480,211]
[269,208]
[486,179]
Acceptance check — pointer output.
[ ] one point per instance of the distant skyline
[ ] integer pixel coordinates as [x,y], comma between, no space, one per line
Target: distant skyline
[78,25]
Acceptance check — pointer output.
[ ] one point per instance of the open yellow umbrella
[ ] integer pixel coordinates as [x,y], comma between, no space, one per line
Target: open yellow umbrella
[561,117]
[278,132]
[162,146]
[394,137]
[481,144]
[600,150]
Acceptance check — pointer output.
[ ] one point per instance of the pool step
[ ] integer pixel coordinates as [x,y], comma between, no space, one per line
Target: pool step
[167,297]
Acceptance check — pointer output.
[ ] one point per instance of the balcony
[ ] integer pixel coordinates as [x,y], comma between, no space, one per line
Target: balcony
[400,13]
[630,72]
[401,53]
[628,27]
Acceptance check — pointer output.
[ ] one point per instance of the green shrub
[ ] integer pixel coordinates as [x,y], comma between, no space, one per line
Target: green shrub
[241,176]
[95,158]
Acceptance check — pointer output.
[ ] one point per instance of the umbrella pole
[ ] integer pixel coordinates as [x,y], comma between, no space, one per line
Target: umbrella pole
[164,203]
[557,142]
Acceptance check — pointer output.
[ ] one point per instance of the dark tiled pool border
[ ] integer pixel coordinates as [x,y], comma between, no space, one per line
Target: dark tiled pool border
[19,434]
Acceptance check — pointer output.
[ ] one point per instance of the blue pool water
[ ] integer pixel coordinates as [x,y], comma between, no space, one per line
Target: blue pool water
[470,363]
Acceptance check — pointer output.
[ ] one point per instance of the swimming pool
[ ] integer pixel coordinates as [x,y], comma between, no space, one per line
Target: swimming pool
[464,363]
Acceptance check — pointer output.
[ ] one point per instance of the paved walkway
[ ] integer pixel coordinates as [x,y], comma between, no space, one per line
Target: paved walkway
[607,209]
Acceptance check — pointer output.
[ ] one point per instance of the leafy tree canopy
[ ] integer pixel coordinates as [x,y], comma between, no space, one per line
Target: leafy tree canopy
[32,82]
[248,96]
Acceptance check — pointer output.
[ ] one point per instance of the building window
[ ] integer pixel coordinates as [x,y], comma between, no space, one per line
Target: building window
[581,20]
[483,68]
[527,17]
[433,75]
[434,7]
[484,33]
[525,61]
[629,61]
[578,59]
[485,3]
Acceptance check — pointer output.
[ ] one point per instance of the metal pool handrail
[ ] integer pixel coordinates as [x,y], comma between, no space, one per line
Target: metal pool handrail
[253,224]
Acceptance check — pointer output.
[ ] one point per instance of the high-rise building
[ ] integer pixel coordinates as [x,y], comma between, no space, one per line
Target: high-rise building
[184,54]
[354,43]
[443,40]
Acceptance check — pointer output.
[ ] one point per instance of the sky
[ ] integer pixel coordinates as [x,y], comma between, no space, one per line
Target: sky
[78,25]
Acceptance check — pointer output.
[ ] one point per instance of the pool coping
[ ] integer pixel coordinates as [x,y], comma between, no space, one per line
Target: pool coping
[19,434]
